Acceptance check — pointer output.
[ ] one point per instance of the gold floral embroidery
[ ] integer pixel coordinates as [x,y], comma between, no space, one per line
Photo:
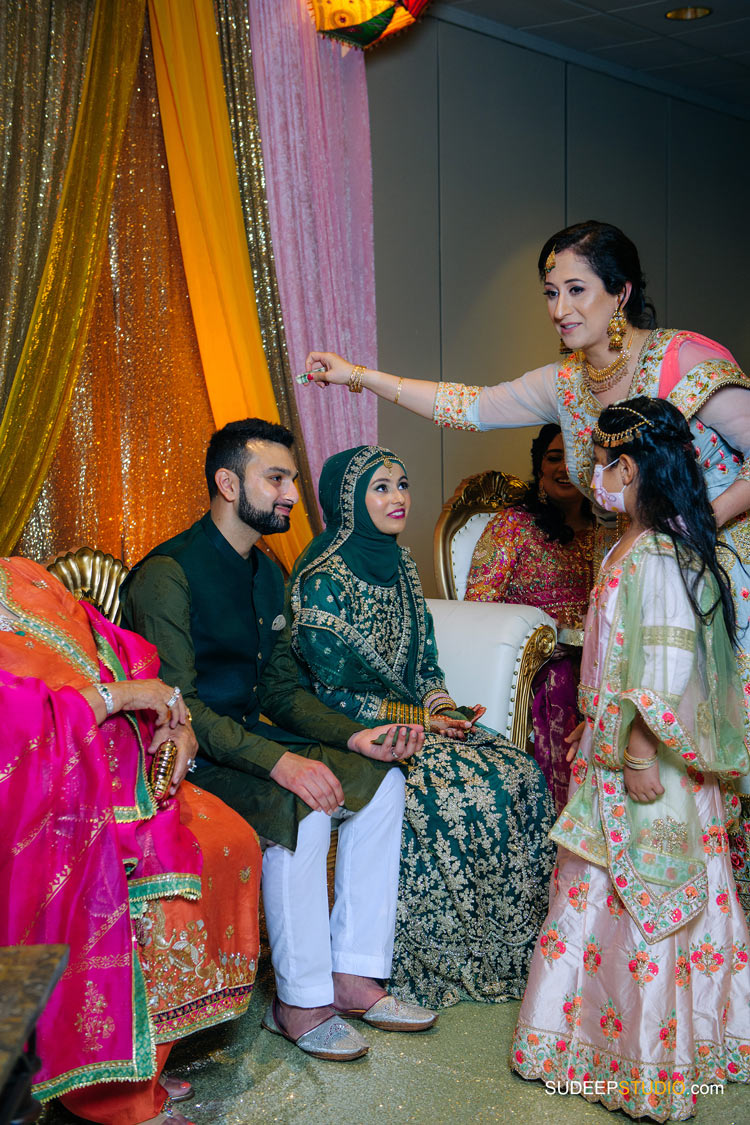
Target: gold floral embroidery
[91,1021]
[514,561]
[703,719]
[452,402]
[666,833]
[177,966]
[694,389]
[740,532]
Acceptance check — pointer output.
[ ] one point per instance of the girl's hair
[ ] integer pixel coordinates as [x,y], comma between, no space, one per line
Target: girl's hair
[613,258]
[672,497]
[548,516]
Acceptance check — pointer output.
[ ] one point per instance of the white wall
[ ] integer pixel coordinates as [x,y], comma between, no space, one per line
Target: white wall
[481,150]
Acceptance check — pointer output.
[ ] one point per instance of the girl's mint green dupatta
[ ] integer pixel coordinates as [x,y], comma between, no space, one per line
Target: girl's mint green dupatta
[662,662]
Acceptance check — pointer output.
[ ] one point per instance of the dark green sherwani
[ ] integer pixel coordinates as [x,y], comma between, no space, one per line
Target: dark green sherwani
[217,620]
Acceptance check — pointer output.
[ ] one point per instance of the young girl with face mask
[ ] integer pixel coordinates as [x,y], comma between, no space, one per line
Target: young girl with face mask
[639,987]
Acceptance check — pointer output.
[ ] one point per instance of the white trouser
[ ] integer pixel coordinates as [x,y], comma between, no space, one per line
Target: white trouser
[307,945]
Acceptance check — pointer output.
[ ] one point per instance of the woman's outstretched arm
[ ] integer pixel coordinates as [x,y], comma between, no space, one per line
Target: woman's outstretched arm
[417,395]
[527,401]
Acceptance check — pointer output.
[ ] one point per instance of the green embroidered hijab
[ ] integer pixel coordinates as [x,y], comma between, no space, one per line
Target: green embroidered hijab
[370,554]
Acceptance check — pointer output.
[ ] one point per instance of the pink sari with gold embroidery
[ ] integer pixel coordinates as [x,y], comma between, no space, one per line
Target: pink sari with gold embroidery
[85,851]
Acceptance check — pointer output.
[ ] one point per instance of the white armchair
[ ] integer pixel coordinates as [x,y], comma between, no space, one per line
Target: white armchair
[489,651]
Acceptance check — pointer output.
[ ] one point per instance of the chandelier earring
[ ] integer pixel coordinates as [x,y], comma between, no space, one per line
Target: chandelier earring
[564,349]
[616,329]
[542,492]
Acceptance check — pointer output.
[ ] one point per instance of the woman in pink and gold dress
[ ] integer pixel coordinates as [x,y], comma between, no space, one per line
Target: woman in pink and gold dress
[539,553]
[157,902]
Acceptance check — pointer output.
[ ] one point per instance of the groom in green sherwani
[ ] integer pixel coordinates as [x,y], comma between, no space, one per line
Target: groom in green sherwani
[213,604]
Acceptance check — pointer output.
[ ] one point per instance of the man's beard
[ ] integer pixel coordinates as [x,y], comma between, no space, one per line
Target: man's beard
[265,523]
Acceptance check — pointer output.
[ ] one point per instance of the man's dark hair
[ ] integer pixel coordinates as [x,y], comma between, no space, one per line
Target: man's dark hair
[227,448]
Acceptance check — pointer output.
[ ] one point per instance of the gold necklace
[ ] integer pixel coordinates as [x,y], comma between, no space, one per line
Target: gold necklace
[602,378]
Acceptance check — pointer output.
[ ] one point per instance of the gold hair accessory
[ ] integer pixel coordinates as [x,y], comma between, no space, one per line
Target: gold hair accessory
[616,329]
[388,465]
[162,768]
[398,392]
[355,380]
[630,434]
[549,265]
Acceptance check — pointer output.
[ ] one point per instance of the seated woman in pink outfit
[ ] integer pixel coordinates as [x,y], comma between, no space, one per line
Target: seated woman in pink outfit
[639,990]
[156,899]
[539,553]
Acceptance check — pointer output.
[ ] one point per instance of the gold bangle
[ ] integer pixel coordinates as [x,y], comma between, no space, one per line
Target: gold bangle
[639,763]
[355,380]
[398,392]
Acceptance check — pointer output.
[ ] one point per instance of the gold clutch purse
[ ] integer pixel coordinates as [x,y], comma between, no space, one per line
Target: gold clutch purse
[162,768]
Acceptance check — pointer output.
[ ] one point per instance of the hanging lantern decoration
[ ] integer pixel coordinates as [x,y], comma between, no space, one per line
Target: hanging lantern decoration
[363,23]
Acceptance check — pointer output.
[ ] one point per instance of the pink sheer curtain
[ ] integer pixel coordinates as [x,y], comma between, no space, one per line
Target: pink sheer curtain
[315,133]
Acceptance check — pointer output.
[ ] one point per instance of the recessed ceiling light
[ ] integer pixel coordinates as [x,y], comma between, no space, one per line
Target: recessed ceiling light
[690,13]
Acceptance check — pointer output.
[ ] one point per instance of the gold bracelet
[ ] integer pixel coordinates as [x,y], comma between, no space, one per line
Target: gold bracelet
[639,763]
[355,380]
[398,392]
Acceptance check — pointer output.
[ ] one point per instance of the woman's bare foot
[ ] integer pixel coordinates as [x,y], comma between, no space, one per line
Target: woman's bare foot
[178,1090]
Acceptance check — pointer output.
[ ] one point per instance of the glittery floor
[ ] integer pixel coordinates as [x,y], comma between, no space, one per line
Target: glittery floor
[454,1074]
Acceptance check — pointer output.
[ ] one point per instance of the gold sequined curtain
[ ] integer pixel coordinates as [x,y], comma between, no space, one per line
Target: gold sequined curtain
[39,397]
[129,468]
[43,50]
[233,25]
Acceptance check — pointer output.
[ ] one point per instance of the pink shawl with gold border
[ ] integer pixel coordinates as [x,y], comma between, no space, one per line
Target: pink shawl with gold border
[82,845]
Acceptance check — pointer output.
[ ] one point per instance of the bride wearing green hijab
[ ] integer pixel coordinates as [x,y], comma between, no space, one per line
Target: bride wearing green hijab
[475,855]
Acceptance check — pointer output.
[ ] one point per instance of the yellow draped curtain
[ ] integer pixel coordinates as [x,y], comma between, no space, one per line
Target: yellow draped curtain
[50,359]
[209,218]
[128,472]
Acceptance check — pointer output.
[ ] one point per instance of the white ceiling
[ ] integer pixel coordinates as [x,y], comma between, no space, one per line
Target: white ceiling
[709,57]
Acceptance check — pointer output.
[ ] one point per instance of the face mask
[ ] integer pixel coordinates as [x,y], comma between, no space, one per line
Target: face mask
[610,501]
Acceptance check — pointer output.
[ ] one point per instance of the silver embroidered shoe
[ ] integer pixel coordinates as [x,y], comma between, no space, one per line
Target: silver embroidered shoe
[333,1039]
[391,1014]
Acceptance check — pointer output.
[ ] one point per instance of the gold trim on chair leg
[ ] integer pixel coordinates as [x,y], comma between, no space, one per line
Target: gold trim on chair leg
[537,650]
